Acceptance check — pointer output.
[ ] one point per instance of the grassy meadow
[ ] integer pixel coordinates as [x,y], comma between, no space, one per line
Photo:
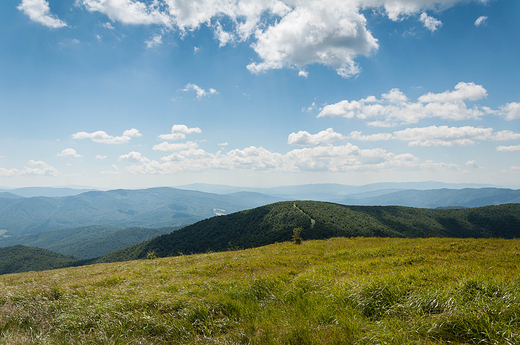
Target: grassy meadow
[337,291]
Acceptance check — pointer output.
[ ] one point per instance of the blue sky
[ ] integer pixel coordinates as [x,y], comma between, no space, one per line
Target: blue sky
[133,94]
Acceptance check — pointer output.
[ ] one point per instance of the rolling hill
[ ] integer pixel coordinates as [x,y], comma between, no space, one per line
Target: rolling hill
[319,220]
[22,259]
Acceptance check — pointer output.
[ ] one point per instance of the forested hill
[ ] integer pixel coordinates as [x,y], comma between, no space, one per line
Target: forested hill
[319,220]
[22,259]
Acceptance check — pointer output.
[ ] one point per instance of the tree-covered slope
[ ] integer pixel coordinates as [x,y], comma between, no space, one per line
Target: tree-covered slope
[275,222]
[22,259]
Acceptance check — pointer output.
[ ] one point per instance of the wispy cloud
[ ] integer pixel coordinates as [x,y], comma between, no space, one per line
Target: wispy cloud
[480,21]
[200,91]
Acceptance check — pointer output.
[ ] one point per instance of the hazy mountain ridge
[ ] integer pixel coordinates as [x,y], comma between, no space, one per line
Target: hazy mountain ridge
[154,207]
[435,198]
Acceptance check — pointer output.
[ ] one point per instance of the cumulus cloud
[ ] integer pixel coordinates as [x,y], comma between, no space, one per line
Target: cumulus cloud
[38,168]
[304,138]
[463,91]
[480,21]
[284,33]
[430,23]
[39,11]
[223,144]
[510,111]
[200,91]
[104,138]
[100,157]
[179,132]
[394,108]
[320,32]
[68,153]
[341,158]
[508,148]
[133,157]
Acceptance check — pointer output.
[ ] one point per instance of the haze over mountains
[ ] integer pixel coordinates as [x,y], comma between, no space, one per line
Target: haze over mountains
[90,224]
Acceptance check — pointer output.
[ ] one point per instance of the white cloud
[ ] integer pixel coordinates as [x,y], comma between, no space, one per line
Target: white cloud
[196,50]
[100,157]
[511,111]
[439,135]
[223,37]
[480,21]
[430,23]
[472,164]
[223,144]
[506,135]
[394,107]
[325,32]
[165,146]
[304,138]
[284,33]
[342,158]
[133,157]
[508,148]
[69,153]
[179,132]
[463,91]
[356,135]
[443,135]
[38,168]
[155,41]
[129,11]
[104,138]
[200,91]
[39,11]
[303,73]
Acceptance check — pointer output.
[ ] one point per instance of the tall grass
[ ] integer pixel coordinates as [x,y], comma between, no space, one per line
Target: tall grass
[339,291]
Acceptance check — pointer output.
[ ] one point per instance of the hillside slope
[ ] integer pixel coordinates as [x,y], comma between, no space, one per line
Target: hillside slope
[364,291]
[23,259]
[275,222]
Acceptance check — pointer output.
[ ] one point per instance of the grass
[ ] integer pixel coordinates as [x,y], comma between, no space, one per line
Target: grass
[338,291]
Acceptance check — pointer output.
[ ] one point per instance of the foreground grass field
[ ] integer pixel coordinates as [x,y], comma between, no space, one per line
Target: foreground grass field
[338,291]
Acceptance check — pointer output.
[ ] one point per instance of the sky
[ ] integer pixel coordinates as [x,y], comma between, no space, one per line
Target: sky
[258,93]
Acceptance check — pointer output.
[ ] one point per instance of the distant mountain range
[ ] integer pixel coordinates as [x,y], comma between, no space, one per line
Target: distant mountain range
[152,208]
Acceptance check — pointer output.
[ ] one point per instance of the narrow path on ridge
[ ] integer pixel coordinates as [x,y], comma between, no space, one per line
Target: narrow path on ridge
[312,220]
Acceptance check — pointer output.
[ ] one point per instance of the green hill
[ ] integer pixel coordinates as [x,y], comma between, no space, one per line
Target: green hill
[23,259]
[319,220]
